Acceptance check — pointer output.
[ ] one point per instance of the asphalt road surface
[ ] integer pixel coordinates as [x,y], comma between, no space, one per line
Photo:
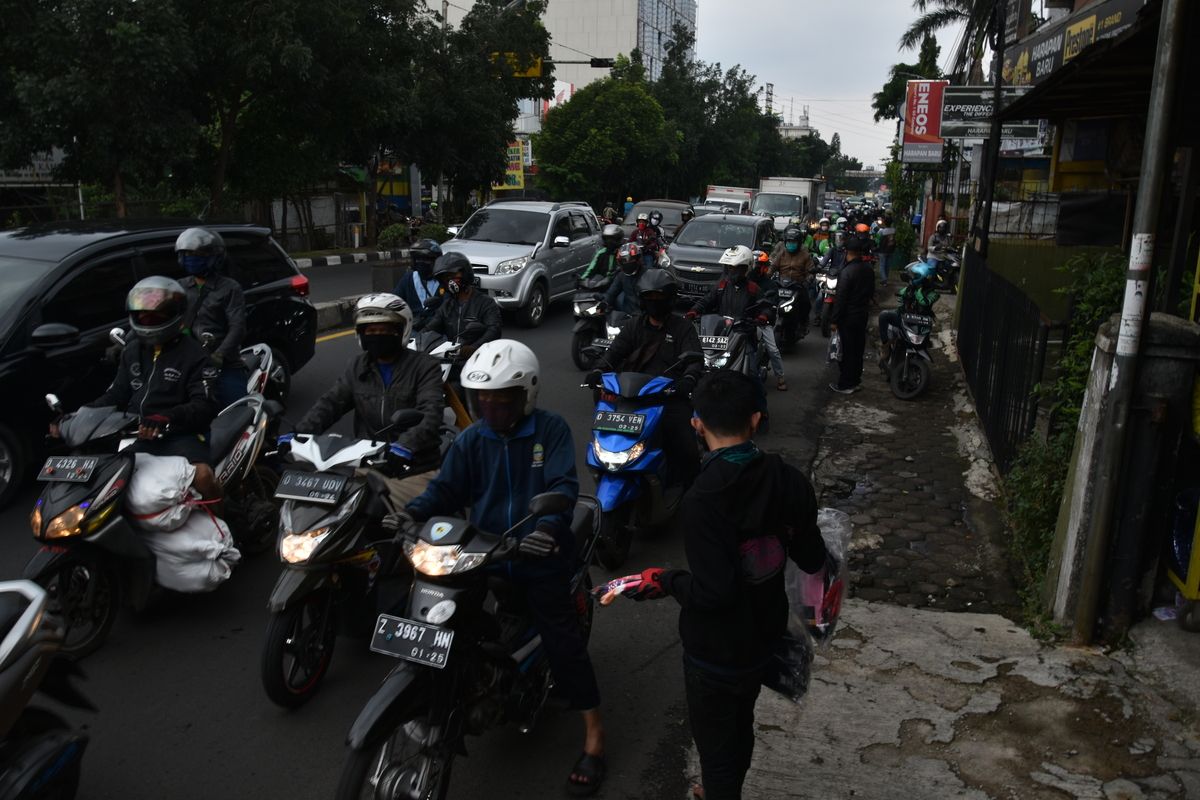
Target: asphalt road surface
[182,713]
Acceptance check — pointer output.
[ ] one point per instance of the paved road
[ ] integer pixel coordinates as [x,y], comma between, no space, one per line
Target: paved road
[340,280]
[182,713]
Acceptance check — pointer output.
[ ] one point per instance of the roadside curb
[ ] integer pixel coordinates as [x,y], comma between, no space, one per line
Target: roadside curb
[336,314]
[347,258]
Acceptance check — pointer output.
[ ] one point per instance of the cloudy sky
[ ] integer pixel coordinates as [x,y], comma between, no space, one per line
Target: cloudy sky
[830,55]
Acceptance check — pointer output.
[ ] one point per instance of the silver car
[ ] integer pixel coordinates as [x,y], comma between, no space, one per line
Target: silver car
[527,253]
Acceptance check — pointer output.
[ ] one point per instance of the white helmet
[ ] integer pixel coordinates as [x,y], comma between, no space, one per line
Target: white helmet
[502,364]
[386,308]
[737,256]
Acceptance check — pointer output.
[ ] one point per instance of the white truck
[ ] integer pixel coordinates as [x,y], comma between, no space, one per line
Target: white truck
[789,200]
[735,199]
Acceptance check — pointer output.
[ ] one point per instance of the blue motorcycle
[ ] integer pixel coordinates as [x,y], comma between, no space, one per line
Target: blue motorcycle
[626,455]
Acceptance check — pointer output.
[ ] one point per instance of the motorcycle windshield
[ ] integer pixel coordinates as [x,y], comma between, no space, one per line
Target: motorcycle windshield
[87,424]
[715,325]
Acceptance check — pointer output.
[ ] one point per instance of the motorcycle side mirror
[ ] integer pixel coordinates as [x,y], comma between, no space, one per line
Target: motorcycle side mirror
[406,418]
[549,503]
[53,402]
[117,337]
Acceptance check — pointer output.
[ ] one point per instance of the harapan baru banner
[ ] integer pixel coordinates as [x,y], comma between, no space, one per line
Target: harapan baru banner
[923,122]
[1031,61]
[514,173]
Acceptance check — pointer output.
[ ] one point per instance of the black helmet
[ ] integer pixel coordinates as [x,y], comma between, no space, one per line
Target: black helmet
[450,263]
[156,305]
[658,280]
[425,249]
[611,236]
[793,234]
[200,251]
[687,214]
[656,217]
[858,243]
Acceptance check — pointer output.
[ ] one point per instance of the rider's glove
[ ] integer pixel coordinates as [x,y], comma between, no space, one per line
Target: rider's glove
[686,385]
[156,422]
[538,544]
[217,360]
[284,439]
[399,522]
[763,319]
[595,378]
[399,455]
[650,587]
[692,314]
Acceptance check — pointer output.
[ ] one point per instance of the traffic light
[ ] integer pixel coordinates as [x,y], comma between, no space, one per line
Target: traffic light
[602,63]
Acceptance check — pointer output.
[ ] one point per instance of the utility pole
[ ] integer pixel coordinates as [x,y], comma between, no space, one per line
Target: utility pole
[983,214]
[770,97]
[1133,314]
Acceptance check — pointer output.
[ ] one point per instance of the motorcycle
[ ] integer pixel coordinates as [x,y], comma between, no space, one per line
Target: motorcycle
[590,336]
[789,327]
[627,459]
[264,376]
[40,754]
[907,366]
[729,344]
[946,265]
[335,571]
[470,659]
[826,278]
[447,353]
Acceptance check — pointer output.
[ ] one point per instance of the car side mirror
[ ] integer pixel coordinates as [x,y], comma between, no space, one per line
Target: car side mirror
[406,418]
[560,241]
[549,503]
[54,334]
[452,230]
[117,337]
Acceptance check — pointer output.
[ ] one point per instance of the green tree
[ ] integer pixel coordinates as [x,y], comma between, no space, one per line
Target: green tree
[888,100]
[593,147]
[973,15]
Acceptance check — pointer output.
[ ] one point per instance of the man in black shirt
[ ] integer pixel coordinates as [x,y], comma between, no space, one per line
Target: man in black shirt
[746,514]
[851,309]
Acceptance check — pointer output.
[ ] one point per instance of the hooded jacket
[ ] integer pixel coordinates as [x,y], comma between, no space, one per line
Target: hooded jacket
[172,380]
[453,316]
[746,513]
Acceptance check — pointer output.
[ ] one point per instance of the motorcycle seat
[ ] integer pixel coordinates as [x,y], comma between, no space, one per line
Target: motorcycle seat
[582,524]
[251,359]
[12,606]
[226,429]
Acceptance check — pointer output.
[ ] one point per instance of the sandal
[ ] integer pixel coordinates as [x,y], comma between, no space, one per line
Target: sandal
[587,775]
[781,385]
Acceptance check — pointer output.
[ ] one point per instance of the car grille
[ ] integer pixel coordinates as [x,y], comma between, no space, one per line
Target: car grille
[479,269]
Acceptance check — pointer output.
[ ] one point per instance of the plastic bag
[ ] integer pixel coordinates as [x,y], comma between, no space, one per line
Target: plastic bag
[159,492]
[197,557]
[835,347]
[789,668]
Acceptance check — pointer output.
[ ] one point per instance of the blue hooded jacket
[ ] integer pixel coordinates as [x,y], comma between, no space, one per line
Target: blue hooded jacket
[497,477]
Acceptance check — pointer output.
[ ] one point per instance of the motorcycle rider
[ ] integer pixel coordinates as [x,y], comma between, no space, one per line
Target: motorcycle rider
[735,295]
[216,308]
[851,308]
[417,287]
[622,294]
[609,214]
[686,216]
[917,297]
[385,378]
[647,239]
[604,262]
[793,262]
[463,305]
[513,452]
[939,243]
[761,274]
[650,343]
[165,377]
[656,219]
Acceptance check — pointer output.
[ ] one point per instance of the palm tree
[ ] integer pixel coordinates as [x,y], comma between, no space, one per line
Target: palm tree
[975,17]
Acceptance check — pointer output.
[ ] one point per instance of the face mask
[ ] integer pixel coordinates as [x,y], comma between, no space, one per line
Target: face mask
[501,415]
[455,285]
[629,269]
[792,247]
[195,265]
[641,226]
[658,309]
[425,269]
[381,345]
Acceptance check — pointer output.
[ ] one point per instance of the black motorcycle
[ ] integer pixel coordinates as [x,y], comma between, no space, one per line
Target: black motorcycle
[907,366]
[596,325]
[470,657]
[947,266]
[40,754]
[731,344]
[790,326]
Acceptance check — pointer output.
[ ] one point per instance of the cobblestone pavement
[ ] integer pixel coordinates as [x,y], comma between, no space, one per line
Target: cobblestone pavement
[916,480]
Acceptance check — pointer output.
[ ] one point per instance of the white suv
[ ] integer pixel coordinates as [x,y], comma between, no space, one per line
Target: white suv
[528,253]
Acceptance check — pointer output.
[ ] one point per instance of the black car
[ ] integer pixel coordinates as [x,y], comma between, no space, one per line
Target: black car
[62,289]
[672,211]
[695,254]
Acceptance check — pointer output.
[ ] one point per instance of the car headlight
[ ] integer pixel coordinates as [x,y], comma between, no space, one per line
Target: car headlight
[615,460]
[296,547]
[511,266]
[432,559]
[65,524]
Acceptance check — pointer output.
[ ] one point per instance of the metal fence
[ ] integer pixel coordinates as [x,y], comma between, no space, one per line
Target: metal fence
[1002,341]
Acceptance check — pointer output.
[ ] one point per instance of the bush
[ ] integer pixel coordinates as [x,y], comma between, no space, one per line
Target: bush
[432,230]
[393,237]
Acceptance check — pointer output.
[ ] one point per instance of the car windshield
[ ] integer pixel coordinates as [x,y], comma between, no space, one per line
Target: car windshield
[671,216]
[507,225]
[16,276]
[777,204]
[715,233]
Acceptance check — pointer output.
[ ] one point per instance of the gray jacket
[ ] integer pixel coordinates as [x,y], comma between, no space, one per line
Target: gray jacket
[219,308]
[416,383]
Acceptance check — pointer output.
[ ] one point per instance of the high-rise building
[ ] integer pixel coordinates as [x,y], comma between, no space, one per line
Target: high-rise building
[584,29]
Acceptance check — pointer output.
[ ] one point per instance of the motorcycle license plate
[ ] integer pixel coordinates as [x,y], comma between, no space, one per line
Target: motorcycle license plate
[786,293]
[604,343]
[69,469]
[412,641]
[618,422]
[918,319]
[311,487]
[714,342]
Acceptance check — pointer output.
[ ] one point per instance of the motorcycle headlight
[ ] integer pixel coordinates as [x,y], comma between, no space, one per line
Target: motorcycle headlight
[296,547]
[585,310]
[831,283]
[615,460]
[914,336]
[435,560]
[786,305]
[613,330]
[717,362]
[511,266]
[65,524]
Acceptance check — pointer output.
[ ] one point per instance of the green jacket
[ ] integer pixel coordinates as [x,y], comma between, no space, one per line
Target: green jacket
[917,299]
[600,265]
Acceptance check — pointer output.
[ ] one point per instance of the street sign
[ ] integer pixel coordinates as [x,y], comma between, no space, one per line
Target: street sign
[1036,57]
[40,171]
[534,70]
[967,113]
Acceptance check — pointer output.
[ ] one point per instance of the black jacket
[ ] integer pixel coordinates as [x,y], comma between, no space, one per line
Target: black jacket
[746,512]
[622,294]
[453,316]
[218,307]
[641,347]
[174,383]
[738,300]
[416,383]
[855,293]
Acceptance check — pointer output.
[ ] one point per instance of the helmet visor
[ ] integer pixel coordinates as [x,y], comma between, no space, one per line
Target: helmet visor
[149,298]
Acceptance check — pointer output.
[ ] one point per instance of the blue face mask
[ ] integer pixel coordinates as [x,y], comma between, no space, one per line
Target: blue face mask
[195,265]
[791,247]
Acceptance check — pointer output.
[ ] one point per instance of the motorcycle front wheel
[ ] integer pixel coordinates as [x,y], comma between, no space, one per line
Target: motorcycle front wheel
[616,536]
[579,342]
[909,378]
[298,648]
[258,512]
[826,311]
[85,593]
[403,765]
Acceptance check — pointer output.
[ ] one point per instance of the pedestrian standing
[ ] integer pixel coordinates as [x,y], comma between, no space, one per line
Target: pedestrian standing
[885,239]
[628,206]
[851,309]
[745,515]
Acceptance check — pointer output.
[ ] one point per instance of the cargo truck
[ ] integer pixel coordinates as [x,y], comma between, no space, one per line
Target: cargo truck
[789,200]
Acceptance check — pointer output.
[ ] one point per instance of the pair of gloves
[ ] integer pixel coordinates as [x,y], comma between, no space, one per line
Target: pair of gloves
[539,544]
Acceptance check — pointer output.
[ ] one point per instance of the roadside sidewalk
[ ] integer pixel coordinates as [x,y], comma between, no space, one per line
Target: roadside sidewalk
[927,691]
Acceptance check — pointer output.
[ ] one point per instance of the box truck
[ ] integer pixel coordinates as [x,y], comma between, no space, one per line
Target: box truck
[789,200]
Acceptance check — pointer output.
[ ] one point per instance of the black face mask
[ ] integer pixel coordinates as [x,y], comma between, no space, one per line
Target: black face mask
[381,345]
[658,308]
[630,269]
[425,269]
